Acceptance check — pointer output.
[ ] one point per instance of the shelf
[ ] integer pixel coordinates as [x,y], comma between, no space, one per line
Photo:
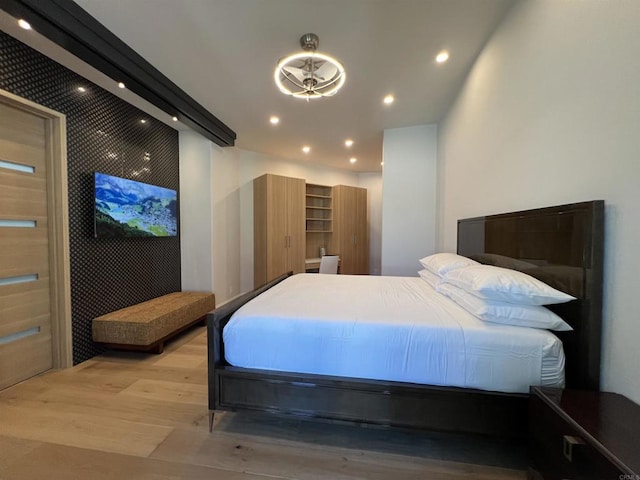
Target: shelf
[319,218]
[319,213]
[318,196]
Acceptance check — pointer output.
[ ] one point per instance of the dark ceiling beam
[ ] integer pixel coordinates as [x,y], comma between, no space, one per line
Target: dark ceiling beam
[67,24]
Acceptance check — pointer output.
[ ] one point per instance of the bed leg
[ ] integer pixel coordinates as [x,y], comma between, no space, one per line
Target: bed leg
[211,415]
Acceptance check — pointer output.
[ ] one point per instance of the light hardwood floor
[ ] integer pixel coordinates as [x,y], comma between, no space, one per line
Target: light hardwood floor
[132,415]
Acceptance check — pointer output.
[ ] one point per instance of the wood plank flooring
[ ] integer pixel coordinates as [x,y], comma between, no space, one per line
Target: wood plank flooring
[142,416]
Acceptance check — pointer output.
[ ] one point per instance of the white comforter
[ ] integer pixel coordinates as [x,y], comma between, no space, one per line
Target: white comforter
[387,328]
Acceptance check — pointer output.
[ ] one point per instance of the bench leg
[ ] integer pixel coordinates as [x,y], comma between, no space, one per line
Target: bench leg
[212,414]
[158,349]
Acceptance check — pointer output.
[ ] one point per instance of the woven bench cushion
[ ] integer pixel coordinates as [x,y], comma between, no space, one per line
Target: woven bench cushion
[150,321]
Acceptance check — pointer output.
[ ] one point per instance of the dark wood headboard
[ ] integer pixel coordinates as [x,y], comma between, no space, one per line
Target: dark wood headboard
[564,247]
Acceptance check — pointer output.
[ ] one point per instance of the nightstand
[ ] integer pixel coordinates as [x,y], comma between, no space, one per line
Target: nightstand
[575,434]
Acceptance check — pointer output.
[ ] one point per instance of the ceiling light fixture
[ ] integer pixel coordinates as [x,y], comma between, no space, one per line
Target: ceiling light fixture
[24,24]
[388,100]
[306,149]
[120,85]
[353,159]
[442,57]
[348,143]
[82,89]
[309,74]
[175,119]
[274,120]
[143,121]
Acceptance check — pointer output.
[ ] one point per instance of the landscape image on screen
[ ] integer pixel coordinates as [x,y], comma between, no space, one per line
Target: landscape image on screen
[126,208]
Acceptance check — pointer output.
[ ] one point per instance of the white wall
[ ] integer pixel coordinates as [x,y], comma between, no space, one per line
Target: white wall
[227,222]
[550,114]
[408,198]
[195,212]
[216,211]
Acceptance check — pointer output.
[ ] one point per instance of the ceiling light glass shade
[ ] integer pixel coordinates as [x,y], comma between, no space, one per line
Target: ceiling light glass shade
[309,74]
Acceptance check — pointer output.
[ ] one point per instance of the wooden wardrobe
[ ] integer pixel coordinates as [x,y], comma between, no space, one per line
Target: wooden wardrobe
[279,226]
[350,229]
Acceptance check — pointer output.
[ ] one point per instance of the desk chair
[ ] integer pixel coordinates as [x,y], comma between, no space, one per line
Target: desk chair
[329,264]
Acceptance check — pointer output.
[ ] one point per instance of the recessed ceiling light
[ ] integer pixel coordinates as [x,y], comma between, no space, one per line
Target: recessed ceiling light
[24,24]
[120,85]
[175,119]
[348,143]
[388,99]
[442,57]
[353,159]
[306,149]
[143,121]
[274,120]
[82,89]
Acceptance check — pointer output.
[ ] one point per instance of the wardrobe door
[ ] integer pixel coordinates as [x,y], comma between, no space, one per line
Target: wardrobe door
[361,233]
[351,229]
[277,226]
[296,250]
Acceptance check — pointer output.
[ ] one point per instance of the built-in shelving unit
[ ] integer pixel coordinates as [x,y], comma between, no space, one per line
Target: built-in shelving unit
[319,208]
[318,218]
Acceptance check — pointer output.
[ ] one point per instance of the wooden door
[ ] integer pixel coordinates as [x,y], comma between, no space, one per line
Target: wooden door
[338,224]
[351,229]
[259,231]
[361,225]
[296,251]
[25,293]
[350,198]
[277,226]
[345,202]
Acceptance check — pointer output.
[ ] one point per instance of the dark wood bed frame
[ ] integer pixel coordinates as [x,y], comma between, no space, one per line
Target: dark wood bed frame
[569,235]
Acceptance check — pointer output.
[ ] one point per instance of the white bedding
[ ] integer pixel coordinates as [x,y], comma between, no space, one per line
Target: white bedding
[387,328]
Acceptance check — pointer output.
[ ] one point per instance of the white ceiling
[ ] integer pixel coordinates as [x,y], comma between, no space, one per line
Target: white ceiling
[223,52]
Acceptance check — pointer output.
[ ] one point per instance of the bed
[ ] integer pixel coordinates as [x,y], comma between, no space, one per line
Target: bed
[563,246]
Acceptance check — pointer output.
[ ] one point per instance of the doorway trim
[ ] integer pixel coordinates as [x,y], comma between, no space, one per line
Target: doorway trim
[58,214]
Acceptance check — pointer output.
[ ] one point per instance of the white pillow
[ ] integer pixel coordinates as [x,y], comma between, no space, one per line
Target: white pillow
[502,284]
[431,278]
[503,312]
[441,263]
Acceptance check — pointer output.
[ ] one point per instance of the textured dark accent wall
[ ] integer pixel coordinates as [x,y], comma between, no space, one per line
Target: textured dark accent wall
[105,134]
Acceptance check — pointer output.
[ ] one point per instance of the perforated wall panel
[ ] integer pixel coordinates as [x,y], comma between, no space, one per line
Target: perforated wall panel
[105,134]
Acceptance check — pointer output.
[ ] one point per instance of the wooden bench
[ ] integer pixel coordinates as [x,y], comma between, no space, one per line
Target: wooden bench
[145,326]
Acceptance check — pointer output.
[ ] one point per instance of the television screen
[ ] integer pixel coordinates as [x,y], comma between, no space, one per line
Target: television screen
[126,208]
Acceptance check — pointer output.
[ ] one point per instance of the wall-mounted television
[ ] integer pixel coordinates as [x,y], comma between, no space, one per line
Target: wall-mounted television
[126,208]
